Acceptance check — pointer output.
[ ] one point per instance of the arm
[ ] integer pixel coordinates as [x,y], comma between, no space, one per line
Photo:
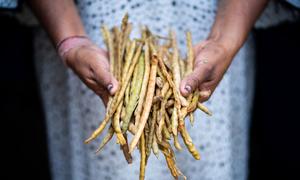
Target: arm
[232,25]
[59,18]
[61,21]
[234,21]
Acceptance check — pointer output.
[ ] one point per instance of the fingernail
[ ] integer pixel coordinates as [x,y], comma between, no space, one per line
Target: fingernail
[188,88]
[109,87]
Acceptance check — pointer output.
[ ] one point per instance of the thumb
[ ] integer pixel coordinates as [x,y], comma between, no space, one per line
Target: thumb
[194,79]
[104,77]
[111,83]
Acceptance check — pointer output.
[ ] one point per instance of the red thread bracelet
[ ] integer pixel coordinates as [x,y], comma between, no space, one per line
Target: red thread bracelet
[69,43]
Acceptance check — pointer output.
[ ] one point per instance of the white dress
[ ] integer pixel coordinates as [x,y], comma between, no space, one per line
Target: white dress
[73,111]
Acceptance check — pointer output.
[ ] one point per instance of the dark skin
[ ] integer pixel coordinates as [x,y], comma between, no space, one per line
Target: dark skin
[61,20]
[232,25]
[91,64]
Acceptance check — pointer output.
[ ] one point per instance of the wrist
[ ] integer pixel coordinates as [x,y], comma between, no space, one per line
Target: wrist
[229,41]
[69,43]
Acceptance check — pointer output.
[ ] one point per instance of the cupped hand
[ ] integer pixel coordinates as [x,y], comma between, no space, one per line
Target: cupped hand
[211,62]
[91,65]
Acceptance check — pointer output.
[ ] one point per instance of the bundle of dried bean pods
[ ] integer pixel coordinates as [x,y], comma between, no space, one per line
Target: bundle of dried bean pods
[148,104]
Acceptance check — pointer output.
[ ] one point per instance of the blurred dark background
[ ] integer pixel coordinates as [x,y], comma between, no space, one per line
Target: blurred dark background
[22,120]
[275,126]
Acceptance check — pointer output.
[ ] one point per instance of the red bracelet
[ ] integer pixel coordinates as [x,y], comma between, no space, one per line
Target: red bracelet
[69,43]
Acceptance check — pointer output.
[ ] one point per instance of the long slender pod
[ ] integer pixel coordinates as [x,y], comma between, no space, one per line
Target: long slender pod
[170,81]
[117,98]
[125,149]
[107,36]
[176,67]
[116,125]
[106,139]
[204,109]
[189,143]
[143,157]
[139,107]
[134,92]
[147,104]
[190,54]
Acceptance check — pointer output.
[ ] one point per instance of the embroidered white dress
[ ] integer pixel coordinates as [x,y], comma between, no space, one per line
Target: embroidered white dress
[73,111]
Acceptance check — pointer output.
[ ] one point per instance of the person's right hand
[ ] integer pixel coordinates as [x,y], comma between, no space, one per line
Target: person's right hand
[91,65]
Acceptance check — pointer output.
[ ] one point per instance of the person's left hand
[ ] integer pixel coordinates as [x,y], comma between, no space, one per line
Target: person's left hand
[212,59]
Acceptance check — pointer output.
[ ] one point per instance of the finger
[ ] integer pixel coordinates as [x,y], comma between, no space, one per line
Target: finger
[99,90]
[106,79]
[104,99]
[205,95]
[113,86]
[207,88]
[194,80]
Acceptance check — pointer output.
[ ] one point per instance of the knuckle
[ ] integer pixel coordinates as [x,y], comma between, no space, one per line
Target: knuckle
[193,80]
[208,68]
[200,66]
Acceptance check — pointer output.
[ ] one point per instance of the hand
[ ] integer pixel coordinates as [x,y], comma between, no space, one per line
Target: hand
[91,65]
[211,62]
